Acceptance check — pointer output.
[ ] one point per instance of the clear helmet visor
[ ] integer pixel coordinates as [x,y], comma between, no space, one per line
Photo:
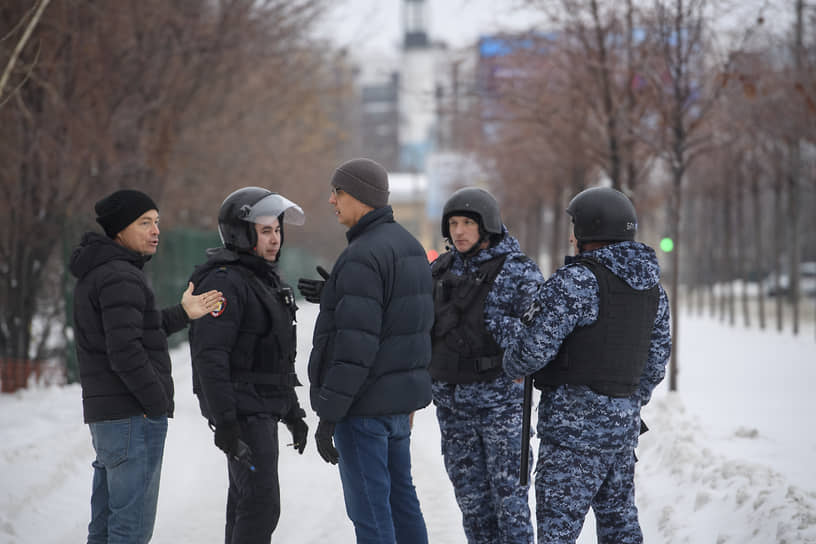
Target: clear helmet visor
[267,210]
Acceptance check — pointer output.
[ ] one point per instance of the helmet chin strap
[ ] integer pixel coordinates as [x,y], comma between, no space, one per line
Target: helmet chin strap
[477,246]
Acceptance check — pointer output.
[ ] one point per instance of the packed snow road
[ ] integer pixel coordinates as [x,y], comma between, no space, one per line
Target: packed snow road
[728,459]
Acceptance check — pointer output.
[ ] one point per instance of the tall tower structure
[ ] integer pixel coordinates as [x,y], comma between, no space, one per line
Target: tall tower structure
[417,86]
[414,15]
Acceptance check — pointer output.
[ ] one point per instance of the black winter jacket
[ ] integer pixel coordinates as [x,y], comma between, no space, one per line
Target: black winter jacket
[252,333]
[121,338]
[372,345]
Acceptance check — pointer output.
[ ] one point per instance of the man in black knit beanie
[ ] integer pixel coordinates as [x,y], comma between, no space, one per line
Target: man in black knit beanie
[124,364]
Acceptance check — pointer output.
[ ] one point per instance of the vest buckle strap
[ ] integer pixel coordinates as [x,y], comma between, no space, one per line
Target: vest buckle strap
[485,364]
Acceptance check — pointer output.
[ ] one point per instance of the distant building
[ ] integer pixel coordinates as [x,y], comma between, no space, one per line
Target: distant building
[409,194]
[379,120]
[417,88]
[409,107]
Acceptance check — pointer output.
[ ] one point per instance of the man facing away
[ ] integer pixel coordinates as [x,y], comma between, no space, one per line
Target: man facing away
[124,364]
[369,363]
[597,344]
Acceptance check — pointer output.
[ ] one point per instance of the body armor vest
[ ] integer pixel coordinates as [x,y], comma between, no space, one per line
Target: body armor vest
[273,350]
[464,351]
[608,355]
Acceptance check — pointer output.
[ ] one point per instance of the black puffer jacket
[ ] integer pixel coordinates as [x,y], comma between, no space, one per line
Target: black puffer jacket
[250,337]
[372,345]
[121,338]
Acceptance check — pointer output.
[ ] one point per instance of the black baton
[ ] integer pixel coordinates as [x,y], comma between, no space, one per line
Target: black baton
[527,407]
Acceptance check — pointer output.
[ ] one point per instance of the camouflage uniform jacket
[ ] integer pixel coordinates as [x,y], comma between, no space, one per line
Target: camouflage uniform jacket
[575,416]
[510,295]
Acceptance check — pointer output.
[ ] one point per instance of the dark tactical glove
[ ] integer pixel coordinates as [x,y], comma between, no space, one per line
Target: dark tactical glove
[324,440]
[311,289]
[227,437]
[299,431]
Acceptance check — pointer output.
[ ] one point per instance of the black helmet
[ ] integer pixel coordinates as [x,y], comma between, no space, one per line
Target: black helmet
[602,214]
[473,201]
[244,207]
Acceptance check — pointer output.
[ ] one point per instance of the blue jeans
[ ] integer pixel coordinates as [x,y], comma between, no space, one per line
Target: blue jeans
[127,469]
[375,469]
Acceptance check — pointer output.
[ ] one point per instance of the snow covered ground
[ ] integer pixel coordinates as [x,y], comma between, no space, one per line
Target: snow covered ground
[728,459]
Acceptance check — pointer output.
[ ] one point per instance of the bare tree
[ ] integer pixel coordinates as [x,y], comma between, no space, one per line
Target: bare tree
[795,171]
[602,45]
[534,140]
[685,93]
[118,96]
[33,17]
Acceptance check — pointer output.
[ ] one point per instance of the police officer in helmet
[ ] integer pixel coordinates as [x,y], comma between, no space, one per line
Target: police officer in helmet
[481,282]
[243,356]
[597,342]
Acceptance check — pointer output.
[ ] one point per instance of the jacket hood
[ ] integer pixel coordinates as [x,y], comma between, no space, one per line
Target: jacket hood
[95,250]
[633,262]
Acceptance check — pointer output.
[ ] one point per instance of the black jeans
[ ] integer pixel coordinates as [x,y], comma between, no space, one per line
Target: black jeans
[253,502]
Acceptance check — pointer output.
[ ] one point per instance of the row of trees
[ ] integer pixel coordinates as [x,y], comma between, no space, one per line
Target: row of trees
[711,132]
[186,100]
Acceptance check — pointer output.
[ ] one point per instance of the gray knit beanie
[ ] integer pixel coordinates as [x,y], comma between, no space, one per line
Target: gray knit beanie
[365,180]
[121,208]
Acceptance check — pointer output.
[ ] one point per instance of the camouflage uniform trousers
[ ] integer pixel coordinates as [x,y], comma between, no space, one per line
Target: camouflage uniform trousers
[482,454]
[568,482]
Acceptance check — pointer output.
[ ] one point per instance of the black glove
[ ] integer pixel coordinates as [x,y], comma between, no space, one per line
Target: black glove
[227,436]
[311,289]
[324,440]
[300,432]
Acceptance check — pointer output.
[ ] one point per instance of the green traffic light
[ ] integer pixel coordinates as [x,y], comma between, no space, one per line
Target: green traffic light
[667,244]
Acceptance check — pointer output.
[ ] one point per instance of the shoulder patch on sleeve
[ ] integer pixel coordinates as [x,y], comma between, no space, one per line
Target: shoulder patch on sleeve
[222,305]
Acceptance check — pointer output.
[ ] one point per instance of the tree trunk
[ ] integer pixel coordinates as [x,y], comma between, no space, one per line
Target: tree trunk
[795,246]
[758,246]
[721,236]
[693,280]
[711,266]
[779,221]
[558,232]
[674,214]
[609,108]
[703,259]
[741,247]
[630,169]
[728,254]
[534,233]
[794,172]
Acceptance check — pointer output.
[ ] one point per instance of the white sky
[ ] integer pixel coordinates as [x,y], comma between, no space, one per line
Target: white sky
[376,25]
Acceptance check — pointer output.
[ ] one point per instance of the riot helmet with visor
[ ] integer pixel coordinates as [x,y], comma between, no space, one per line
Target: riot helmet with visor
[244,208]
